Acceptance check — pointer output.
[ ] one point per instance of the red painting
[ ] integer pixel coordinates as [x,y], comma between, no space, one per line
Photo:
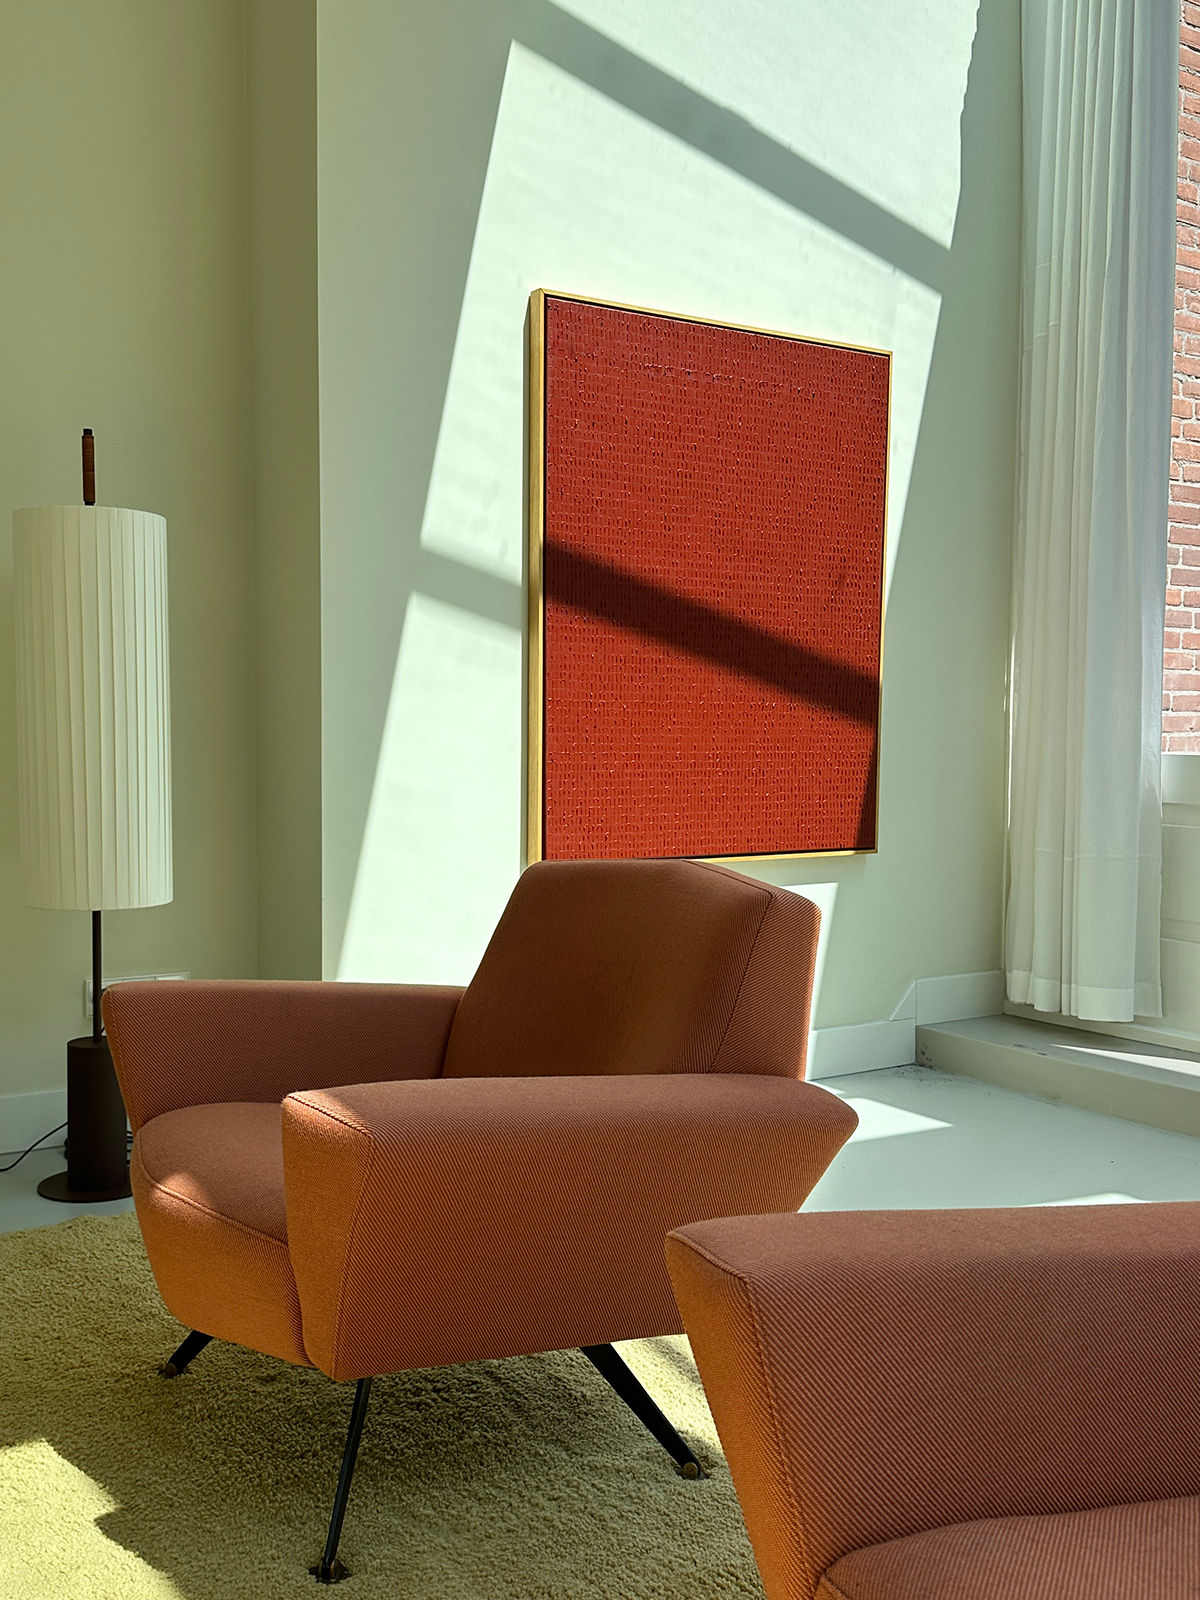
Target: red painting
[708,524]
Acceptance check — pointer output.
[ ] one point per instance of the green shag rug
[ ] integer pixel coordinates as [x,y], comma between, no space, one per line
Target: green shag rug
[524,1479]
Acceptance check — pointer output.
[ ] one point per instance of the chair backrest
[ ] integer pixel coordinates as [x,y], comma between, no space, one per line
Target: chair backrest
[640,967]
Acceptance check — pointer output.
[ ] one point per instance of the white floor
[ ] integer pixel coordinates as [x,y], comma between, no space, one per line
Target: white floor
[21,1206]
[930,1139]
[925,1139]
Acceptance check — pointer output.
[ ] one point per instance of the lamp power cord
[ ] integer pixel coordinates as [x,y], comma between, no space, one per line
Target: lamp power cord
[42,1140]
[33,1147]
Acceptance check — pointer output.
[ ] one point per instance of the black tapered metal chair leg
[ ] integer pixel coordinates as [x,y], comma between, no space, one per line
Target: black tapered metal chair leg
[329,1569]
[185,1355]
[610,1367]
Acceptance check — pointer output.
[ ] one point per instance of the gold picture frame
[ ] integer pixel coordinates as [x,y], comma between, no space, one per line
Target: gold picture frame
[535,506]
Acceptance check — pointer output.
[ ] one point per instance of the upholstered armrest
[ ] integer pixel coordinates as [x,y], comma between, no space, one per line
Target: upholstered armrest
[193,1043]
[875,1374]
[474,1217]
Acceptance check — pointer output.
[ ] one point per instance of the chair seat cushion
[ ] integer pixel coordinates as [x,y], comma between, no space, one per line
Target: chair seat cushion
[208,1186]
[227,1159]
[1148,1551]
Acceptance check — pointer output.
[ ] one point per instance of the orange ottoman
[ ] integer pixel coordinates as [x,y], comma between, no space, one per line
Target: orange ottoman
[957,1405]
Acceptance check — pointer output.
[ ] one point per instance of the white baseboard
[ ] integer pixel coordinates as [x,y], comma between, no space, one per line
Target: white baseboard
[870,1046]
[959,996]
[861,1047]
[25,1117]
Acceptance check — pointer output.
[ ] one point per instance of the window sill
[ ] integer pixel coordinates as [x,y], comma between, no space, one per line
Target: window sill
[1181,778]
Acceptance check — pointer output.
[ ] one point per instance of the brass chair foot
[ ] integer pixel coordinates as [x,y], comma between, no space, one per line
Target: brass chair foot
[329,1571]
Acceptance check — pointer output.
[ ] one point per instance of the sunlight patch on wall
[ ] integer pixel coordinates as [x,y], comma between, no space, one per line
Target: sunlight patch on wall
[824,897]
[585,195]
[575,179]
[53,1544]
[872,93]
[441,848]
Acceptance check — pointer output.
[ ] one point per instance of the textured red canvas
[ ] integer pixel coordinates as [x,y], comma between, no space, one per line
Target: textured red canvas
[714,504]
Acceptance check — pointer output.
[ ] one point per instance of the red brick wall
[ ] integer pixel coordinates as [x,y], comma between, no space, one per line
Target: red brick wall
[1181,660]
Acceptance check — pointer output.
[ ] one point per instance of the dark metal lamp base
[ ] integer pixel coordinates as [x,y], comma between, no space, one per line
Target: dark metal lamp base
[97,1158]
[59,1187]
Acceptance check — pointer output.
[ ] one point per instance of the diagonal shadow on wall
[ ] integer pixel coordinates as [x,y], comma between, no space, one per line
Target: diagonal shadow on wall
[629,80]
[684,114]
[725,641]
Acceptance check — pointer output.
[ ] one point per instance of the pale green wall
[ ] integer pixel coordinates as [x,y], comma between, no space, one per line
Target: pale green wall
[784,163]
[764,162]
[123,243]
[282,208]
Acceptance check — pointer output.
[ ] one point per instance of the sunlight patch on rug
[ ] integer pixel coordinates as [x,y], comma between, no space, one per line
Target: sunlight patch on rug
[65,1553]
[524,1479]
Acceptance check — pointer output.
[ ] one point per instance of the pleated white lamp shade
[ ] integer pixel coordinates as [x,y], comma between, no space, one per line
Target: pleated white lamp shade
[93,707]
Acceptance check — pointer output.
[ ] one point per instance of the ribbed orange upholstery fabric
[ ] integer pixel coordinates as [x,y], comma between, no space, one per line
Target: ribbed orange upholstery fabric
[226,1158]
[433,1222]
[1138,1552]
[640,967]
[208,1187]
[625,1061]
[875,1375]
[189,1043]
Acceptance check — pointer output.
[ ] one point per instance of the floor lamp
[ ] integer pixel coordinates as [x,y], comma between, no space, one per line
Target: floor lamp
[93,763]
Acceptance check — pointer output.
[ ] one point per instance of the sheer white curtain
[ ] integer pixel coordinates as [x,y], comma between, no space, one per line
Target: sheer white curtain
[1100,114]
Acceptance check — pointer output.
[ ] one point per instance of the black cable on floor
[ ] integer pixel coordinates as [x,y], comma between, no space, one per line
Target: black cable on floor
[34,1146]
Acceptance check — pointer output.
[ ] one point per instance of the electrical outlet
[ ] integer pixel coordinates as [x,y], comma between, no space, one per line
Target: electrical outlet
[140,977]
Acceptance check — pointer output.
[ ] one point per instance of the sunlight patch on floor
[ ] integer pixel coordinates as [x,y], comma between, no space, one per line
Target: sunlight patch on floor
[877,1120]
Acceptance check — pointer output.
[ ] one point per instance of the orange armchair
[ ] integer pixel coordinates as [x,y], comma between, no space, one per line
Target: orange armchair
[307,1155]
[957,1405]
